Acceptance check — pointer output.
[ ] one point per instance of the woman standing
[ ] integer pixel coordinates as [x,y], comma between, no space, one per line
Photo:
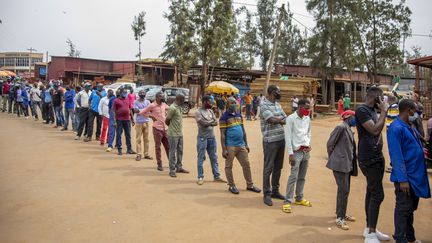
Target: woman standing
[340,106]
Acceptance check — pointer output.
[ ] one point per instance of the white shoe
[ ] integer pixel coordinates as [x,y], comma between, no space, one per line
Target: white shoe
[379,235]
[200,181]
[371,238]
[77,138]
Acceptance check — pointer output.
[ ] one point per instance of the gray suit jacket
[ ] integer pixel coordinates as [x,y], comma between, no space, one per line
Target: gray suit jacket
[341,150]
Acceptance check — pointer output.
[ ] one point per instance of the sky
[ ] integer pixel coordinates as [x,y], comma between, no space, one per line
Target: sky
[100,29]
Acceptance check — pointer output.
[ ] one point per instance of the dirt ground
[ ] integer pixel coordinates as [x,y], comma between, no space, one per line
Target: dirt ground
[55,189]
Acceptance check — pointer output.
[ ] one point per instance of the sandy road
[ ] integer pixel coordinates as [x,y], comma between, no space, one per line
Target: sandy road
[55,189]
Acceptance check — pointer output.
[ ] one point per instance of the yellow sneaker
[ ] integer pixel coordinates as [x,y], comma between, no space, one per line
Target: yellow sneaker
[303,202]
[286,208]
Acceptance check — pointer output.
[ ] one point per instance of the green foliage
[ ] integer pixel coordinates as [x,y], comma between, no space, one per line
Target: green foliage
[139,30]
[266,26]
[72,52]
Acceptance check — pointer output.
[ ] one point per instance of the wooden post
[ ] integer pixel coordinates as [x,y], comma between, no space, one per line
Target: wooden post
[355,95]
[417,82]
[275,44]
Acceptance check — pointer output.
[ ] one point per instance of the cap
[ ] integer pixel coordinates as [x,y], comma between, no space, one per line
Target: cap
[347,114]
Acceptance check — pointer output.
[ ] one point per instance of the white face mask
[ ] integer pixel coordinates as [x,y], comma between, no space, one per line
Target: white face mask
[413,117]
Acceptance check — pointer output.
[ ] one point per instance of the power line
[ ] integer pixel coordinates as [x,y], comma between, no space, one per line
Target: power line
[422,35]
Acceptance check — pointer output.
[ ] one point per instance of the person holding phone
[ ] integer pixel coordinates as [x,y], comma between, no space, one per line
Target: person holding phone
[371,159]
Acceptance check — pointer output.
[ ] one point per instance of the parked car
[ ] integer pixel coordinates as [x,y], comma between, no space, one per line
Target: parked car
[116,86]
[170,94]
[146,88]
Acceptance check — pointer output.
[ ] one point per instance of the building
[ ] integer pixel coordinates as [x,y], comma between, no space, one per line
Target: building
[423,82]
[74,70]
[21,63]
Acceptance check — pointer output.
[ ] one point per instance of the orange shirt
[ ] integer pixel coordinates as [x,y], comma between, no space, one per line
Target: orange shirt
[247,99]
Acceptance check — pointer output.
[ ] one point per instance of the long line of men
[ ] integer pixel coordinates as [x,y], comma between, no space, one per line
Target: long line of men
[114,114]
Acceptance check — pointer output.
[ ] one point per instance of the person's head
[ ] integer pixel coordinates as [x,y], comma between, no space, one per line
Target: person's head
[118,93]
[142,94]
[67,87]
[110,93]
[347,95]
[303,108]
[99,87]
[131,89]
[78,88]
[123,93]
[374,96]
[206,102]
[348,116]
[42,87]
[34,85]
[341,98]
[232,104]
[180,98]
[273,92]
[261,95]
[160,97]
[87,86]
[407,110]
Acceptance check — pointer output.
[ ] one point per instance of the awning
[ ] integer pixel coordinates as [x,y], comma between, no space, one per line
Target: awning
[97,74]
[422,62]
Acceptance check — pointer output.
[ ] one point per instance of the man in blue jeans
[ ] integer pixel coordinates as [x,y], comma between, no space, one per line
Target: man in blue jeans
[111,128]
[57,101]
[123,118]
[69,108]
[206,121]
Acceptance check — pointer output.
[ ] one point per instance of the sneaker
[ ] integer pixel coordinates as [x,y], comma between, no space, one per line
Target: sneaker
[131,152]
[77,138]
[181,170]
[342,224]
[379,235]
[148,157]
[160,168]
[350,218]
[119,152]
[172,174]
[63,129]
[233,190]
[108,149]
[371,238]
[138,157]
[200,181]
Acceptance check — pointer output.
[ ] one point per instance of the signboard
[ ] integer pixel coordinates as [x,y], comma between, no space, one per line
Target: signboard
[42,71]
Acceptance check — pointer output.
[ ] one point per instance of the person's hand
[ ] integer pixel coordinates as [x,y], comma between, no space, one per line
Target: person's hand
[136,110]
[225,154]
[215,123]
[308,149]
[405,187]
[153,118]
[383,106]
[133,123]
[291,159]
[248,149]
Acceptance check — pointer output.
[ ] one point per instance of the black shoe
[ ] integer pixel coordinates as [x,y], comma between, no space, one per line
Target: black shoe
[160,168]
[254,189]
[268,201]
[148,157]
[131,152]
[181,170]
[233,190]
[97,138]
[172,174]
[120,152]
[277,195]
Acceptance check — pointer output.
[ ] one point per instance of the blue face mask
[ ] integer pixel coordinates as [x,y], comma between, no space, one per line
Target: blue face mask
[352,122]
[124,94]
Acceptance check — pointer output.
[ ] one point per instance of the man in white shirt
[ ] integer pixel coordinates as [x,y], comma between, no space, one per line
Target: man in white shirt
[83,106]
[103,110]
[35,97]
[297,139]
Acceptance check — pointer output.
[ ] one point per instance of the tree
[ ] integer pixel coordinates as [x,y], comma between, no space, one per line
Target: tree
[407,69]
[73,52]
[380,25]
[248,39]
[292,47]
[179,44]
[266,25]
[139,30]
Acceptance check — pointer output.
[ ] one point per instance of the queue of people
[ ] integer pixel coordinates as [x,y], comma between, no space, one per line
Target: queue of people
[115,114]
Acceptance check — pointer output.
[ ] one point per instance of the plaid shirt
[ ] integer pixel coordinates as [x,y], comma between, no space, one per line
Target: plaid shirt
[271,132]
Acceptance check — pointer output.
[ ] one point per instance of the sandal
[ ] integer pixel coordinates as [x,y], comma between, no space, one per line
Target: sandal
[303,202]
[286,208]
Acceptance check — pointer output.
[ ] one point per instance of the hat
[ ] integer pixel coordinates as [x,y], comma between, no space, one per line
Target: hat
[347,114]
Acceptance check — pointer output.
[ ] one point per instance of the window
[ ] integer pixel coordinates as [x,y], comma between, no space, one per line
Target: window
[22,62]
[34,60]
[1,62]
[9,61]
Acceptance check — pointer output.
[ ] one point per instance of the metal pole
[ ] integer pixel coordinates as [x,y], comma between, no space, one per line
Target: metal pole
[275,44]
[31,49]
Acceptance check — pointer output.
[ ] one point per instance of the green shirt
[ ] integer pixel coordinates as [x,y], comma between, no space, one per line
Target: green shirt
[347,103]
[175,115]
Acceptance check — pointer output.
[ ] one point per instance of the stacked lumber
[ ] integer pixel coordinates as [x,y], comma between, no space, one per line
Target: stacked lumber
[298,86]
[126,79]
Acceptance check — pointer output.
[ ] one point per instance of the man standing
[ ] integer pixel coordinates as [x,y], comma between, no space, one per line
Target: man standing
[342,160]
[294,101]
[234,145]
[174,120]
[157,112]
[298,143]
[104,111]
[347,102]
[247,98]
[371,159]
[142,127]
[206,141]
[94,100]
[57,101]
[83,108]
[123,118]
[5,95]
[69,108]
[409,173]
[272,121]
[35,97]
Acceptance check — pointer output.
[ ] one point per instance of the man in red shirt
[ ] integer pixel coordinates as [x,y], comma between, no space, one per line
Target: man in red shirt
[122,121]
[5,94]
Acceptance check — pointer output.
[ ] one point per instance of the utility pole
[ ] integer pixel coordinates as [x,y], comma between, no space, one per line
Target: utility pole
[275,44]
[31,49]
[46,67]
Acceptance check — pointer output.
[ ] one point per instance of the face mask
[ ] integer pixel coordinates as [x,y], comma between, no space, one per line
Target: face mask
[142,96]
[352,122]
[208,106]
[124,94]
[277,96]
[304,111]
[233,107]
